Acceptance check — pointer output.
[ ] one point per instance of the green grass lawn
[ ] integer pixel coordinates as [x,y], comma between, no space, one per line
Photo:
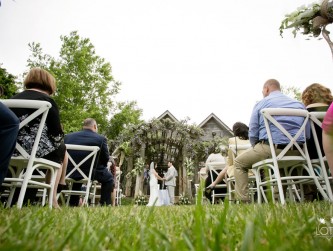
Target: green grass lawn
[207,227]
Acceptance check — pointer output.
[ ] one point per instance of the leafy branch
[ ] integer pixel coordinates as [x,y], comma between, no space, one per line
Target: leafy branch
[311,20]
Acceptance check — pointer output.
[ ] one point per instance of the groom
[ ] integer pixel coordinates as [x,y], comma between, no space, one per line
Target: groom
[170,181]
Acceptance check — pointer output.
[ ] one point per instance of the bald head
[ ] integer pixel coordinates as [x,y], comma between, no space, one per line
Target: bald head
[90,123]
[270,86]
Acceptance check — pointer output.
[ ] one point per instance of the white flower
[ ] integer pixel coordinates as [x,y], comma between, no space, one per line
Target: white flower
[322,221]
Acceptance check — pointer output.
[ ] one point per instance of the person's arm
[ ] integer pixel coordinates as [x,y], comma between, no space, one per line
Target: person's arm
[254,125]
[327,137]
[156,175]
[170,174]
[328,149]
[53,123]
[104,153]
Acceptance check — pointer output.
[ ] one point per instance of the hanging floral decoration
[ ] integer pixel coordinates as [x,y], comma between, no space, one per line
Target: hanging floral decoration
[310,20]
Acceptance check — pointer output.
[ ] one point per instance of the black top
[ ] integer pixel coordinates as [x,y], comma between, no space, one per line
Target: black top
[310,142]
[52,136]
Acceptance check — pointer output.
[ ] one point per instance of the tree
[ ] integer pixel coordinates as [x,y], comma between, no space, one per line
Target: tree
[85,85]
[127,114]
[292,91]
[7,84]
[311,20]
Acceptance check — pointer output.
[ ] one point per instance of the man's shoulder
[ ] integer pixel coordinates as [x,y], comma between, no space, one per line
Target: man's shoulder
[280,100]
[84,135]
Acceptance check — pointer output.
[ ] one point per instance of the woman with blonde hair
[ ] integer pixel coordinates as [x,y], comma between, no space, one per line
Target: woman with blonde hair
[317,95]
[39,84]
[316,98]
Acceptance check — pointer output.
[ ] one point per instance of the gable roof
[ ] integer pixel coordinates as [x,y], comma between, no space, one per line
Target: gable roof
[214,117]
[168,115]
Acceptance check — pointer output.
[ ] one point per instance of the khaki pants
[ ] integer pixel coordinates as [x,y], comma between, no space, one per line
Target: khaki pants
[245,161]
[171,191]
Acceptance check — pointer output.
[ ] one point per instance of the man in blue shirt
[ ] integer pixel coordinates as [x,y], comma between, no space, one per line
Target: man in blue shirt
[273,98]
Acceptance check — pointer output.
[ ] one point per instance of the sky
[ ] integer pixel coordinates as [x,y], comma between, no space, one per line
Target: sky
[190,57]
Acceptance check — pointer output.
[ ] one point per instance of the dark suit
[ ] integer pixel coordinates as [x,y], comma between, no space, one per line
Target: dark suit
[100,173]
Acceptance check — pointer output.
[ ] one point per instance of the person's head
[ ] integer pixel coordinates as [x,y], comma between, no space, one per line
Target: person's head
[169,163]
[270,86]
[241,130]
[316,93]
[214,149]
[40,79]
[90,124]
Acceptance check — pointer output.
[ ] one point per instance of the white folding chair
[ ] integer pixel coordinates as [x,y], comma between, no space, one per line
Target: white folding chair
[119,191]
[320,165]
[216,168]
[202,175]
[23,165]
[236,150]
[96,186]
[90,156]
[299,161]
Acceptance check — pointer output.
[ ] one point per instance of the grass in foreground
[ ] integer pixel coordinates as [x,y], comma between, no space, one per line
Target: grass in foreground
[217,227]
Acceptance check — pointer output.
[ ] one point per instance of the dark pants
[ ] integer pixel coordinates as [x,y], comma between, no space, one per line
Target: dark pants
[208,181]
[104,177]
[9,126]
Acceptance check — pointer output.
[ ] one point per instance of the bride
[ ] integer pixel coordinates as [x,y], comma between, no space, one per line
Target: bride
[154,198]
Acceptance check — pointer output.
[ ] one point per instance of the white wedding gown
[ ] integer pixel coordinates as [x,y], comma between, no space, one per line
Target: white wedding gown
[154,191]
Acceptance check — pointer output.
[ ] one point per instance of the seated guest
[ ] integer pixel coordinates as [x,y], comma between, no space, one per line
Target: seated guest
[241,132]
[9,128]
[112,165]
[316,98]
[88,136]
[39,84]
[214,156]
[328,137]
[260,150]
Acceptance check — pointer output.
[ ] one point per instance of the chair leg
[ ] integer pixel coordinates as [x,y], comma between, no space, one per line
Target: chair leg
[10,196]
[54,174]
[22,193]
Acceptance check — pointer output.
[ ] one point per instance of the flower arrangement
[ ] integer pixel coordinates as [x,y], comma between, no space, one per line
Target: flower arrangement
[138,168]
[189,166]
[141,200]
[310,19]
[184,200]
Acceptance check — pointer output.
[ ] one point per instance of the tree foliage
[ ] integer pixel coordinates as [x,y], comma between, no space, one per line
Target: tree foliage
[7,84]
[126,114]
[85,85]
[292,91]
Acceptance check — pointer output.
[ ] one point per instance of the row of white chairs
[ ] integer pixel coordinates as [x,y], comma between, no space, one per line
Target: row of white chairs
[285,175]
[23,165]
